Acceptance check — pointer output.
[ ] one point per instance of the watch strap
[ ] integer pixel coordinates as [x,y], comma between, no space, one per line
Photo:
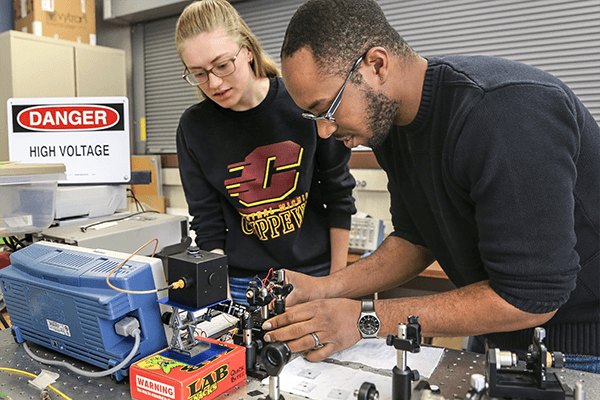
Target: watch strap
[368,306]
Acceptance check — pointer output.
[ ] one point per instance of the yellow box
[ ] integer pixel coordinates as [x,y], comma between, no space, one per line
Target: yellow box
[73,20]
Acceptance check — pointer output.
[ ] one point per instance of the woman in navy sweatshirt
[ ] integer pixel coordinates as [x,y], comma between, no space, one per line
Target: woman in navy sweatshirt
[261,186]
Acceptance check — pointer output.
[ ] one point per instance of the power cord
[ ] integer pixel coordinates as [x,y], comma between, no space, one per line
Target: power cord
[126,327]
[138,205]
[86,227]
[13,242]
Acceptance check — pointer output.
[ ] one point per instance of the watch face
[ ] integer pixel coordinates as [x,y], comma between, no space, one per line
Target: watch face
[368,325]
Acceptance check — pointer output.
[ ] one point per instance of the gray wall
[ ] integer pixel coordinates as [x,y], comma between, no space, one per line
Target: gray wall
[117,36]
[6,15]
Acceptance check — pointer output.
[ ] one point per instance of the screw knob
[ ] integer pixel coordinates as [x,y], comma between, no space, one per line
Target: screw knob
[477,382]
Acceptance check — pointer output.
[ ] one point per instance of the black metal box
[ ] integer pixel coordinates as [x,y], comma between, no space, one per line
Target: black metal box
[205,276]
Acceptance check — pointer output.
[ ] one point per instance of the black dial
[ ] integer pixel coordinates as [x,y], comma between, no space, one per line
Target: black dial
[368,324]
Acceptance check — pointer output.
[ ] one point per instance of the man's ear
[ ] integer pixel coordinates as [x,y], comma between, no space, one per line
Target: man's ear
[378,60]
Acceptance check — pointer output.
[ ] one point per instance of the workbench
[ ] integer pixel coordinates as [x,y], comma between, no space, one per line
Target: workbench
[452,376]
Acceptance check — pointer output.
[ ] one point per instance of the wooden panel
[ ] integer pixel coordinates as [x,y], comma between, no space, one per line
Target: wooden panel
[151,194]
[169,161]
[157,203]
[363,159]
[433,271]
[148,163]
[6,320]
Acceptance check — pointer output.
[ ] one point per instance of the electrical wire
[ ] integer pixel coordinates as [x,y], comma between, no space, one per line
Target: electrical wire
[138,205]
[8,244]
[86,227]
[12,242]
[267,277]
[19,242]
[88,374]
[8,240]
[231,321]
[29,374]
[177,285]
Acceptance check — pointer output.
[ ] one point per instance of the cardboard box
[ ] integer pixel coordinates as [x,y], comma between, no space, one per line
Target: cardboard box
[167,375]
[73,20]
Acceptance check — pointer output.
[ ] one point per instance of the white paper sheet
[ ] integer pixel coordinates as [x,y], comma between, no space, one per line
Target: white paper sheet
[377,354]
[324,381]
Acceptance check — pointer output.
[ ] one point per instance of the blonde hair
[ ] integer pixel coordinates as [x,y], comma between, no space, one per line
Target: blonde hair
[208,15]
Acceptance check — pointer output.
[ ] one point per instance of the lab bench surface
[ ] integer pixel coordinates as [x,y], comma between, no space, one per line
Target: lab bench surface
[452,376]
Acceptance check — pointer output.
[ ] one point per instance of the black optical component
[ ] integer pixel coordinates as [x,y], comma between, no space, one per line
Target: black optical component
[275,356]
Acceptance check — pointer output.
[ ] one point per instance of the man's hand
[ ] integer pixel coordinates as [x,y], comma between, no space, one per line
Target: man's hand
[305,288]
[332,320]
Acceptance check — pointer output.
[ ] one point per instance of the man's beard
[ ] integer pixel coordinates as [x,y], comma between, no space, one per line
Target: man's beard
[382,113]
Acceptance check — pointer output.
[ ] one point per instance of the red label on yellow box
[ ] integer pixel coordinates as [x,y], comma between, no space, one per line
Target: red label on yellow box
[170,376]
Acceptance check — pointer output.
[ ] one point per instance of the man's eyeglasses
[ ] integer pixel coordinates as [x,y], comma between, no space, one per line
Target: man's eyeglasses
[336,102]
[223,69]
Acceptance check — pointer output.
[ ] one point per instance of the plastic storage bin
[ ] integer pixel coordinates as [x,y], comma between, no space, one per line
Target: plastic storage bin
[28,195]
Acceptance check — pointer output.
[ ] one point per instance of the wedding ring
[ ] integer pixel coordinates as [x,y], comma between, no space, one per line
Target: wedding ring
[317,342]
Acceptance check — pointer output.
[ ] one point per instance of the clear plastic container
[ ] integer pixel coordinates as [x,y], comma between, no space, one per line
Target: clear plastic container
[28,197]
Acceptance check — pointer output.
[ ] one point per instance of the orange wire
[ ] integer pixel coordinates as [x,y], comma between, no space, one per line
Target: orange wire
[127,259]
[267,277]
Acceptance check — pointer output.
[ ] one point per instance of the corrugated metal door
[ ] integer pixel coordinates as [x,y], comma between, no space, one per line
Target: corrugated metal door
[558,36]
[166,94]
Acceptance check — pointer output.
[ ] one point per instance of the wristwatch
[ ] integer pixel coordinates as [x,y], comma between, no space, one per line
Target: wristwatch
[368,323]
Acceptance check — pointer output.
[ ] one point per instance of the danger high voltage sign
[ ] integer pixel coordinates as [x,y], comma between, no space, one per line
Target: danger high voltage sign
[89,135]
[61,118]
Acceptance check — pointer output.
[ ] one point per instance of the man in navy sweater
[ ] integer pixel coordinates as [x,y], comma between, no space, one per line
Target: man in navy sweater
[494,171]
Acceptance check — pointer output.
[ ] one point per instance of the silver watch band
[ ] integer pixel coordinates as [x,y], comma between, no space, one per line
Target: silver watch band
[368,306]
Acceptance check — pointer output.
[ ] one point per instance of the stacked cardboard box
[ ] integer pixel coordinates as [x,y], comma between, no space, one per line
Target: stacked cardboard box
[73,20]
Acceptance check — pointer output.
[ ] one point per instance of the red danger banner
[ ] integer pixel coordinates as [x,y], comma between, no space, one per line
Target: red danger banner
[68,118]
